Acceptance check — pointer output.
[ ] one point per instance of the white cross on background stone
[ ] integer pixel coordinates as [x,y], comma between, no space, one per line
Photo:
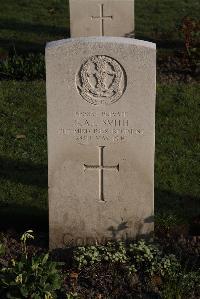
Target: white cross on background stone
[102,18]
[101,167]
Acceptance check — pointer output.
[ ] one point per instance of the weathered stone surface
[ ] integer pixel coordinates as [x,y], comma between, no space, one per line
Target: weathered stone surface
[101,118]
[102,18]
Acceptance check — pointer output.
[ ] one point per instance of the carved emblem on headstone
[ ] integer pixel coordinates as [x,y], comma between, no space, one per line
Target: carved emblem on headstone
[101,80]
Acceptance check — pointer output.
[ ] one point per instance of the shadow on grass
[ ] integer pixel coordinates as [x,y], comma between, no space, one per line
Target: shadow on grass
[26,173]
[183,206]
[164,43]
[21,218]
[13,44]
[161,42]
[11,24]
[17,216]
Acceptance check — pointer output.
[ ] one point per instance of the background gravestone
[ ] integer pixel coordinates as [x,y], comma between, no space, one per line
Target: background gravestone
[102,18]
[101,118]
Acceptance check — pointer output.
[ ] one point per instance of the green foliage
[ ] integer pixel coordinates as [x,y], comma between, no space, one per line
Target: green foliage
[144,262]
[138,257]
[112,253]
[27,235]
[18,67]
[34,277]
[84,256]
[31,278]
[150,259]
[72,296]
[181,285]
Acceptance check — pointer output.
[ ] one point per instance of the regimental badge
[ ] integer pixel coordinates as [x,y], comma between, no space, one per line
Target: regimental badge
[101,80]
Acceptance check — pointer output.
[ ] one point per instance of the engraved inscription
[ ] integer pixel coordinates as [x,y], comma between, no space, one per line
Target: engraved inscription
[101,127]
[102,18]
[70,240]
[101,167]
[101,80]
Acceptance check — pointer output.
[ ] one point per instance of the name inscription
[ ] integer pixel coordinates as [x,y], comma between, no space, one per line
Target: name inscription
[100,127]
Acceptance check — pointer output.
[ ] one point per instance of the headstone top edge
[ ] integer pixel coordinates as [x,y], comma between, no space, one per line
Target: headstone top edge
[132,1]
[104,39]
[103,0]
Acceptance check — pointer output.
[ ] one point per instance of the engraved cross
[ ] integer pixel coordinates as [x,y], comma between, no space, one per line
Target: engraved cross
[101,167]
[102,18]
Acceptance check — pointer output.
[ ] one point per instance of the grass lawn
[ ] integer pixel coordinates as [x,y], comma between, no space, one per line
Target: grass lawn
[159,20]
[177,170]
[23,153]
[27,25]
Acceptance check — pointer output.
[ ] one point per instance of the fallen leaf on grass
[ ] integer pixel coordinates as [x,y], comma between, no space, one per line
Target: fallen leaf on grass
[20,136]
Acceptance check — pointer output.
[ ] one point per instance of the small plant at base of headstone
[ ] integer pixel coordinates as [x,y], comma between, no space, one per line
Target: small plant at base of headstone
[137,257]
[143,265]
[72,296]
[32,277]
[27,235]
[112,253]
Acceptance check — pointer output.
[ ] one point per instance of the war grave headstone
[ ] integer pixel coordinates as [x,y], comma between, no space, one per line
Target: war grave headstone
[101,139]
[102,18]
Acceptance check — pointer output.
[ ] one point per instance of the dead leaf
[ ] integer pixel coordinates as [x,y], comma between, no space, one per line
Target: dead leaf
[20,136]
[74,275]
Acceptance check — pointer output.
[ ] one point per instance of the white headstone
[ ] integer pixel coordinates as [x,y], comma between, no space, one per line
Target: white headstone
[102,18]
[101,118]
